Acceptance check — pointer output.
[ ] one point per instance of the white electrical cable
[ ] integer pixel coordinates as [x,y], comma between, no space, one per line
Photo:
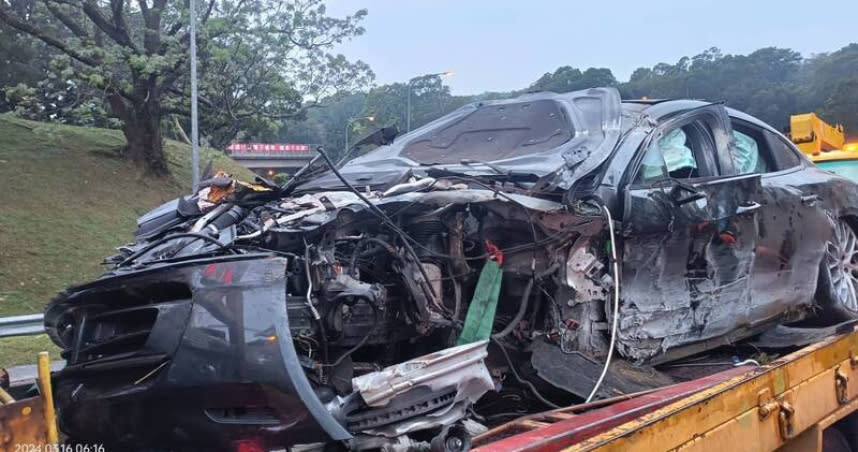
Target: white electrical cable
[309,282]
[747,362]
[614,320]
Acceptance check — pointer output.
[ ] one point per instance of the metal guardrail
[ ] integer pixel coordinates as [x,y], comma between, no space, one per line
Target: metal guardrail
[22,325]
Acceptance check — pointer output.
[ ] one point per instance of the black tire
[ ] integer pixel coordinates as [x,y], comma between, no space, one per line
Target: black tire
[849,428]
[833,440]
[837,288]
[453,438]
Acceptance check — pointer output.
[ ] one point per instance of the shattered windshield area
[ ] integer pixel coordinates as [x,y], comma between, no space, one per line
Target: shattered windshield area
[364,296]
[494,132]
[560,137]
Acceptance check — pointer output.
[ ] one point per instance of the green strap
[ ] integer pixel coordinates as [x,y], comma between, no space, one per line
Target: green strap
[481,312]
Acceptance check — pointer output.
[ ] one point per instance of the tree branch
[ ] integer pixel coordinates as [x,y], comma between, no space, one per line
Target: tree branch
[179,24]
[73,26]
[176,111]
[144,8]
[180,130]
[152,27]
[208,12]
[116,7]
[25,27]
[304,108]
[202,99]
[91,9]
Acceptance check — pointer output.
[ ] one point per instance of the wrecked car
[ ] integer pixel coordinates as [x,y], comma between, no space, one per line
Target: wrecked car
[488,264]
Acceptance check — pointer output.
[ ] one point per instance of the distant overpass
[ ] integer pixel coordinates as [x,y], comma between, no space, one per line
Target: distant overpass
[268,159]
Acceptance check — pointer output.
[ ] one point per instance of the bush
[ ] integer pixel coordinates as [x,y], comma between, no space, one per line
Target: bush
[280,178]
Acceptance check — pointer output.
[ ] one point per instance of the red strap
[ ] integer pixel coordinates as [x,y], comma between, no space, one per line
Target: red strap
[494,252]
[727,237]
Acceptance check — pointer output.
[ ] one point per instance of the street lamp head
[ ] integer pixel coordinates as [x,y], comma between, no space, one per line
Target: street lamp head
[349,122]
[411,84]
[428,76]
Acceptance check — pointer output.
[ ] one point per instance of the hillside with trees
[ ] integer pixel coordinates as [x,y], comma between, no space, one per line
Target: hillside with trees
[269,72]
[771,83]
[125,64]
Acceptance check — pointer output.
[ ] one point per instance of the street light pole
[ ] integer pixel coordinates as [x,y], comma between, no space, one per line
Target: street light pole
[195,133]
[410,85]
[408,108]
[348,126]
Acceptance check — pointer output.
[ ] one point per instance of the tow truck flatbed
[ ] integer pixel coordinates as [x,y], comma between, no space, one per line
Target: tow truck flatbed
[785,405]
[790,404]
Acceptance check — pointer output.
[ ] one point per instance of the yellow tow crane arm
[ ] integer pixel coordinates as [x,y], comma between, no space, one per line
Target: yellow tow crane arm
[813,136]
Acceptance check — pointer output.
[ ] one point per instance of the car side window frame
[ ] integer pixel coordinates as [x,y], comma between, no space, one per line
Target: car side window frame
[769,137]
[736,125]
[800,159]
[712,161]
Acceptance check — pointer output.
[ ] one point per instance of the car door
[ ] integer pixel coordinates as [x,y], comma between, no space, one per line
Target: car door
[689,231]
[792,225]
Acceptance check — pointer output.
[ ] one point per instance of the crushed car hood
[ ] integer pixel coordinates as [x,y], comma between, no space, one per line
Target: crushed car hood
[558,137]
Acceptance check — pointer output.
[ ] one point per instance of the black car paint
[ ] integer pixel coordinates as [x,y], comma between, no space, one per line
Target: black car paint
[594,118]
[771,268]
[684,285]
[228,346]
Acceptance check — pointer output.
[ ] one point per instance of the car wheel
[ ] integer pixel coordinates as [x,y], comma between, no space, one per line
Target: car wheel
[833,440]
[837,291]
[849,428]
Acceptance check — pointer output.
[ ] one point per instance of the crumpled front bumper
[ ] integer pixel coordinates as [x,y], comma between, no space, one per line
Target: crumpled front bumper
[215,367]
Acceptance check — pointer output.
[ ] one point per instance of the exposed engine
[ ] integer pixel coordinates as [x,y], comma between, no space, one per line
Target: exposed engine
[378,288]
[449,280]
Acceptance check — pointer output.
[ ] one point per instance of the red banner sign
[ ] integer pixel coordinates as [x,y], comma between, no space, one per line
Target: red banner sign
[267,148]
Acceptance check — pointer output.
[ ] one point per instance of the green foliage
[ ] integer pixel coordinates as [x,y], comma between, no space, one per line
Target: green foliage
[387,104]
[67,201]
[828,84]
[763,83]
[263,67]
[842,105]
[261,61]
[19,351]
[67,103]
[771,83]
[24,60]
[268,72]
[280,178]
[85,202]
[567,78]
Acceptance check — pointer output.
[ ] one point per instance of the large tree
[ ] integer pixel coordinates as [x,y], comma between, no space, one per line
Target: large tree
[273,66]
[567,78]
[258,59]
[762,83]
[386,104]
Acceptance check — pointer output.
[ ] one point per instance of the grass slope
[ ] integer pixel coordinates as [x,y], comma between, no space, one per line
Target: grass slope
[66,200]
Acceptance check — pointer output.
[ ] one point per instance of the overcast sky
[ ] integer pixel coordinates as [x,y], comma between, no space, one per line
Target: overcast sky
[500,45]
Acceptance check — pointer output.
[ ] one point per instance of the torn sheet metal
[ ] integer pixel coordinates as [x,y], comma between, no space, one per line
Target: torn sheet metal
[512,132]
[461,367]
[348,270]
[440,198]
[686,277]
[424,393]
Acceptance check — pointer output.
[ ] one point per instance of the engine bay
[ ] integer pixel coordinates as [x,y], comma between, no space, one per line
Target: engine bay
[376,279]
